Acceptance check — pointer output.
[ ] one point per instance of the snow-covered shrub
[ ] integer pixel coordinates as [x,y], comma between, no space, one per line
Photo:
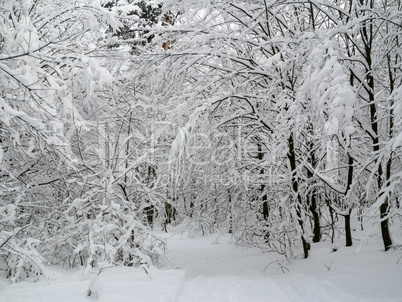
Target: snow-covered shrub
[103,228]
[191,226]
[276,234]
[20,257]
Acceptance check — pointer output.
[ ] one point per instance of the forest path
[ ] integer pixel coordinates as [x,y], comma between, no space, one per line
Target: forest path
[211,269]
[215,271]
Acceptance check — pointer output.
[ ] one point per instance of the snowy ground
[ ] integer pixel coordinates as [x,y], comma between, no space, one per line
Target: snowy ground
[211,269]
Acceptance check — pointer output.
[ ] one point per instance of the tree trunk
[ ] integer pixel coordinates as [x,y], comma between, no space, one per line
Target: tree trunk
[348,231]
[230,213]
[149,212]
[265,208]
[312,197]
[331,213]
[386,237]
[314,211]
[170,215]
[295,188]
[384,207]
[316,219]
[367,37]
[265,214]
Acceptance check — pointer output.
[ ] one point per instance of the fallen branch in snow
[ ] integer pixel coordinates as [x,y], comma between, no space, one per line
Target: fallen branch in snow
[327,266]
[279,264]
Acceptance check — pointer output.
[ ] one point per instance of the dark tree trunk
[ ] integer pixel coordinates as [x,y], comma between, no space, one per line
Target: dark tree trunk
[295,188]
[314,209]
[386,237]
[230,213]
[384,207]
[367,37]
[265,208]
[170,215]
[264,198]
[348,231]
[316,219]
[265,213]
[149,212]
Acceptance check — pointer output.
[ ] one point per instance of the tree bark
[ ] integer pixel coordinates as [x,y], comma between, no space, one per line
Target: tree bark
[386,236]
[295,188]
[316,219]
[170,215]
[312,200]
[264,198]
[367,38]
[230,213]
[348,231]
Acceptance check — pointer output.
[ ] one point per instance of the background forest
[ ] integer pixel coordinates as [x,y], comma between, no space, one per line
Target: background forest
[278,122]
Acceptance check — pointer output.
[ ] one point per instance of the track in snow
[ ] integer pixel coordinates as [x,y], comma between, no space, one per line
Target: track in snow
[221,273]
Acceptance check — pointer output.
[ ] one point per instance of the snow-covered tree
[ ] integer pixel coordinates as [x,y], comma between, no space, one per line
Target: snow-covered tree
[297,76]
[60,200]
